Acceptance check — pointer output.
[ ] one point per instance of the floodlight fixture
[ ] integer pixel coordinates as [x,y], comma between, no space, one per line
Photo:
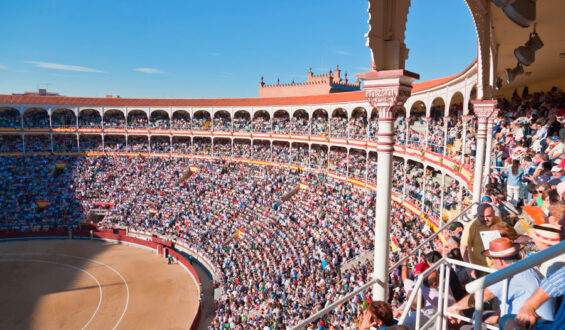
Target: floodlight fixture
[521,12]
[527,54]
[511,74]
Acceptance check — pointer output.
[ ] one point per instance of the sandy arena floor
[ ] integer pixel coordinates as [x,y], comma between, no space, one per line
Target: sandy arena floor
[62,284]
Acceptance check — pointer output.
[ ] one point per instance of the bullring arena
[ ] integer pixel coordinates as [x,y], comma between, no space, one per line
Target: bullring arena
[328,204]
[72,284]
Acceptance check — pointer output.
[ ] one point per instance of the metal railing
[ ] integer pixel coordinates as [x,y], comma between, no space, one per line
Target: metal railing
[443,297]
[477,287]
[374,281]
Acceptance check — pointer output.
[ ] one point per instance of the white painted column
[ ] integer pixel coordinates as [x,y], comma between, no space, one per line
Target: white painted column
[385,91]
[488,152]
[466,119]
[483,109]
[445,136]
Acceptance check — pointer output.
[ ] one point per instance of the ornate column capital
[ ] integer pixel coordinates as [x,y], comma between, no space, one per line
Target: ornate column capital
[467,118]
[387,90]
[483,108]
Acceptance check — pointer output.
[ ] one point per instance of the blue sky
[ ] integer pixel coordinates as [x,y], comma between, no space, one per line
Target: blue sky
[203,49]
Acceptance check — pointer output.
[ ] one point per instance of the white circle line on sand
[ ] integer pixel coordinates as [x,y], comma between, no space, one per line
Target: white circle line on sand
[92,260]
[70,266]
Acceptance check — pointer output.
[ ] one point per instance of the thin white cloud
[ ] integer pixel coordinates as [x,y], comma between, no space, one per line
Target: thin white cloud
[2,67]
[223,73]
[149,70]
[342,52]
[64,67]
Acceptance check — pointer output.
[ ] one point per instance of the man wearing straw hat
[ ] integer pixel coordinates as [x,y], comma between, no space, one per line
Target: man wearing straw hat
[521,286]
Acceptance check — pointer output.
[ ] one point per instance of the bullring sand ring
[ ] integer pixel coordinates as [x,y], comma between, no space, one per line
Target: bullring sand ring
[83,284]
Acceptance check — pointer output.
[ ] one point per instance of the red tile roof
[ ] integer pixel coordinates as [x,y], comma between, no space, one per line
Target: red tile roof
[225,102]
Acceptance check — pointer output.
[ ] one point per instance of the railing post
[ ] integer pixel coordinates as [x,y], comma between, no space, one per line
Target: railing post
[479,295]
[385,91]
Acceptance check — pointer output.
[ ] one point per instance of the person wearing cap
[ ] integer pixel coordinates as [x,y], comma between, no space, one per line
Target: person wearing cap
[544,236]
[555,148]
[471,243]
[556,176]
[520,287]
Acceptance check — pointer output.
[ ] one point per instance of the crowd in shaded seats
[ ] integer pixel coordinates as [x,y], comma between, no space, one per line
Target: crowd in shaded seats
[11,143]
[89,120]
[10,119]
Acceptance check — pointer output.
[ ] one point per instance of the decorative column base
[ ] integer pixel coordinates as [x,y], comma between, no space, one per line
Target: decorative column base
[386,91]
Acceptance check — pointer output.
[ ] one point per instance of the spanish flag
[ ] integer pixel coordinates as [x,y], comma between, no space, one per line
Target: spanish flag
[42,203]
[239,233]
[393,244]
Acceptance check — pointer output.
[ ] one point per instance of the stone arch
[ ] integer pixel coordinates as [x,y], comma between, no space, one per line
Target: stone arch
[202,145]
[319,122]
[160,143]
[65,143]
[432,192]
[90,143]
[138,143]
[137,119]
[10,117]
[222,121]
[159,119]
[89,118]
[281,152]
[261,122]
[114,142]
[437,108]
[180,120]
[357,163]
[202,120]
[36,118]
[338,123]
[281,122]
[417,108]
[222,147]
[319,156]
[373,123]
[181,145]
[472,96]
[37,143]
[63,117]
[300,122]
[358,123]
[414,182]
[372,167]
[242,121]
[242,148]
[455,108]
[11,142]
[300,154]
[114,118]
[338,160]
[261,150]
